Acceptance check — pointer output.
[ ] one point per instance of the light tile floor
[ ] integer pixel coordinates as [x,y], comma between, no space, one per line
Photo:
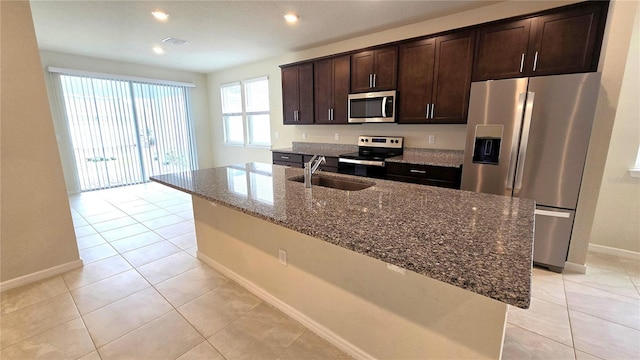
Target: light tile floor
[142,294]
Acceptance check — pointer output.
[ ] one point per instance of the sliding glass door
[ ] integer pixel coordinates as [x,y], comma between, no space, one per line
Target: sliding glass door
[124,131]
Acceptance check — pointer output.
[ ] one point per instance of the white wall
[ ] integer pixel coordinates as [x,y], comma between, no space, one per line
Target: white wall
[617,216]
[447,136]
[36,229]
[199,102]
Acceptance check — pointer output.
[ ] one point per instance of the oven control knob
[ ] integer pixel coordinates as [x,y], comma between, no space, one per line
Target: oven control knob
[361,140]
[366,140]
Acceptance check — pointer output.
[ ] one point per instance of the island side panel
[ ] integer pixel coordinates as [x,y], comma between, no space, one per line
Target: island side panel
[351,300]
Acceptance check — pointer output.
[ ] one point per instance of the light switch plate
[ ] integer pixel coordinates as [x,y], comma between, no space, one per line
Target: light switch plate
[336,136]
[276,135]
[304,136]
[432,139]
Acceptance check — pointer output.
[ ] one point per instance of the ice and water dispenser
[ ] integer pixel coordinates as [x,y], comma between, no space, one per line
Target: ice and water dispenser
[486,149]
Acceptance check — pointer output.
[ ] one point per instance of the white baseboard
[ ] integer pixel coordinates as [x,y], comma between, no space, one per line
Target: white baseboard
[614,251]
[575,268]
[39,275]
[309,323]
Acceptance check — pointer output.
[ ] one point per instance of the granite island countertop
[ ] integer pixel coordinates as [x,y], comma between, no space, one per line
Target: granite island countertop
[479,242]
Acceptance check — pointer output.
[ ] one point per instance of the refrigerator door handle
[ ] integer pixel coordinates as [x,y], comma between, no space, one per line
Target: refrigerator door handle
[524,142]
[516,133]
[558,214]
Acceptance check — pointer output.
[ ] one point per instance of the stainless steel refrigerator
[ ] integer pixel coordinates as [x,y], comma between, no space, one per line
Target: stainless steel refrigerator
[528,138]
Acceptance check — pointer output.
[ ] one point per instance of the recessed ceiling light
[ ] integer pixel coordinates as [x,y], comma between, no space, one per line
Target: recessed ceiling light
[158,50]
[160,15]
[291,18]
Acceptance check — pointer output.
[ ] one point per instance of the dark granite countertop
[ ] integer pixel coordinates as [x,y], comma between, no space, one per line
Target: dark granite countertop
[436,157]
[479,242]
[323,149]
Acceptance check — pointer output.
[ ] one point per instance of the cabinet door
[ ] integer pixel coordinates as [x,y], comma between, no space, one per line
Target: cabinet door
[452,78]
[385,69]
[331,90]
[290,94]
[381,63]
[341,82]
[361,70]
[566,42]
[501,50]
[415,80]
[305,88]
[323,90]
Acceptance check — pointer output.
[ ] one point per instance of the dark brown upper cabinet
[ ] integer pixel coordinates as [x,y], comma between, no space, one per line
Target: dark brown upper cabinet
[563,41]
[434,78]
[374,70]
[331,89]
[297,94]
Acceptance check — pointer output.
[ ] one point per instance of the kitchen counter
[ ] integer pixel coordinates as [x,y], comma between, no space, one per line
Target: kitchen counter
[434,157]
[478,242]
[324,149]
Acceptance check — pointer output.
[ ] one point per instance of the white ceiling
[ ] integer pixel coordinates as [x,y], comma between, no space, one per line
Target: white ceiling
[221,34]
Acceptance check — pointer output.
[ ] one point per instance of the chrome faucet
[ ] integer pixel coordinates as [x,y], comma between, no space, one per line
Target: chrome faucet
[311,167]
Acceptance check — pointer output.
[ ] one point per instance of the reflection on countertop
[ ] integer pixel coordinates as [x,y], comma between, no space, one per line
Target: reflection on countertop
[479,242]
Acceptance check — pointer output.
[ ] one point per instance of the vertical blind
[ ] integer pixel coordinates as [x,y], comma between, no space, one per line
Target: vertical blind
[123,131]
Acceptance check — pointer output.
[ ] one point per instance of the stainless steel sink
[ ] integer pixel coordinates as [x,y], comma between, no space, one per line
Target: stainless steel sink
[335,183]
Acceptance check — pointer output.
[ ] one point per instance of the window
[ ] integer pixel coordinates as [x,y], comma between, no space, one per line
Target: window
[245,112]
[123,130]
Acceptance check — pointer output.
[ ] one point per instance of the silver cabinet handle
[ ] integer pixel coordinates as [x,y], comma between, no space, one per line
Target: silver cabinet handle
[284,157]
[535,61]
[370,80]
[332,114]
[374,80]
[514,151]
[296,116]
[426,112]
[329,114]
[417,171]
[522,62]
[524,142]
[433,106]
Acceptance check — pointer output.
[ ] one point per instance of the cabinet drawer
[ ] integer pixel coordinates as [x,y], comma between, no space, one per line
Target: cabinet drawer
[425,174]
[288,157]
[286,163]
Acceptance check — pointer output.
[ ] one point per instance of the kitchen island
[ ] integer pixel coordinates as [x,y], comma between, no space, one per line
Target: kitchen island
[392,271]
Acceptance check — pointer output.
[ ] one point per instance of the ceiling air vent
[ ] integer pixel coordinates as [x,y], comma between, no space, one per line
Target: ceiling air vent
[174,41]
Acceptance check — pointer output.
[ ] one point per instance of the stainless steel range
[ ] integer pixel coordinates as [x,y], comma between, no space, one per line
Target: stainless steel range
[369,161]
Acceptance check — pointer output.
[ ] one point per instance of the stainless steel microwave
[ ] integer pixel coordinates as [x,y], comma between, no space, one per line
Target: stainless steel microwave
[373,107]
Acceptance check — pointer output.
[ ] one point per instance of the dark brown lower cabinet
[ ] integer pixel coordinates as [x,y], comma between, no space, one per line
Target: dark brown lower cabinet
[287,159]
[442,176]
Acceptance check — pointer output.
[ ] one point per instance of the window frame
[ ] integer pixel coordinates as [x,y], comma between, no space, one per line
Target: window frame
[247,124]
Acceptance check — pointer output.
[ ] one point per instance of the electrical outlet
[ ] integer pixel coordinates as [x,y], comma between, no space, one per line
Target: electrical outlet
[282,257]
[304,136]
[432,139]
[276,135]
[336,136]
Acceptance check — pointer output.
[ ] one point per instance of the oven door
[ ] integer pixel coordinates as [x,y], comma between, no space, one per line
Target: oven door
[362,168]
